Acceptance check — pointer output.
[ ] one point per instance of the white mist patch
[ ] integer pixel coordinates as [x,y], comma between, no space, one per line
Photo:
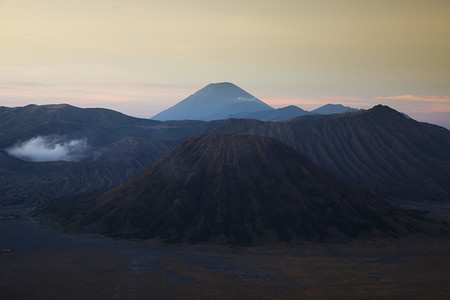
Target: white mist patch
[246,99]
[50,148]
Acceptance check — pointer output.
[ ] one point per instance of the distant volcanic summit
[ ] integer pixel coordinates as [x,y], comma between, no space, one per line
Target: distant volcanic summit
[225,100]
[232,189]
[213,102]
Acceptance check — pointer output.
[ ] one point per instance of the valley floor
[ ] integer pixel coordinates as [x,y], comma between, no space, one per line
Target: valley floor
[40,263]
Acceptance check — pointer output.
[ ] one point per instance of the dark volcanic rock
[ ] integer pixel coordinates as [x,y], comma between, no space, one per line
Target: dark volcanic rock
[378,150]
[119,148]
[37,183]
[234,189]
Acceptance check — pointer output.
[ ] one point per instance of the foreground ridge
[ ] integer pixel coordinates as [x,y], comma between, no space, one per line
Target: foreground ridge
[233,189]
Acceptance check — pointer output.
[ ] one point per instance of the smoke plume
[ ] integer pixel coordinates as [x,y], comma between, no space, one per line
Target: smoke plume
[50,148]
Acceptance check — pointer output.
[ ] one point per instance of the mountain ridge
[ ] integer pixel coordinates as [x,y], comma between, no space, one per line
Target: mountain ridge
[376,149]
[224,100]
[234,189]
[332,109]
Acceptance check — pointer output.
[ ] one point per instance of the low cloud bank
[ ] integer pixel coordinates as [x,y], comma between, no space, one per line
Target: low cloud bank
[50,148]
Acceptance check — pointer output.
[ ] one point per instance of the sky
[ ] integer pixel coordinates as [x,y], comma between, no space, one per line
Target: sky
[140,57]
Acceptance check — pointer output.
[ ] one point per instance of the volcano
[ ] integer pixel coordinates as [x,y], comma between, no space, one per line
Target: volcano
[232,189]
[214,102]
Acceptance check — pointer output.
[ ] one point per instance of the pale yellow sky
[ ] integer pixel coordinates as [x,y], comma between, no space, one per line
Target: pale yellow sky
[300,51]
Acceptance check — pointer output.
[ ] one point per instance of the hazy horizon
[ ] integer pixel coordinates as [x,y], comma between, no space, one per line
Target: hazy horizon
[141,57]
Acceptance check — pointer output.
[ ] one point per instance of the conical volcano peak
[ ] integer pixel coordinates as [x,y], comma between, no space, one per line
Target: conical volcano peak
[237,189]
[222,85]
[226,87]
[223,92]
[214,101]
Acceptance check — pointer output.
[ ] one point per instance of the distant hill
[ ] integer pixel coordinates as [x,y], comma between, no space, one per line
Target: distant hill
[218,101]
[274,115]
[332,109]
[213,102]
[96,124]
[232,189]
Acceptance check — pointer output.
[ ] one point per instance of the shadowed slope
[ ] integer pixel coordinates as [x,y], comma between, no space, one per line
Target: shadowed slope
[378,150]
[37,183]
[118,148]
[235,189]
